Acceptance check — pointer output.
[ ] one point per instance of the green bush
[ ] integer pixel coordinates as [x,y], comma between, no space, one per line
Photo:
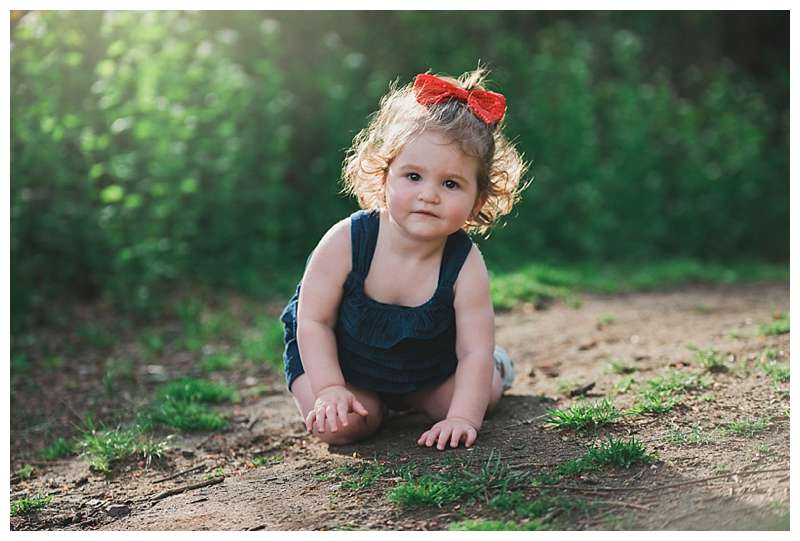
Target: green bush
[153,148]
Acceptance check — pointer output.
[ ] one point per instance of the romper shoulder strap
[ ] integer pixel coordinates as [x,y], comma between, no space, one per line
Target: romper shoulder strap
[363,236]
[455,253]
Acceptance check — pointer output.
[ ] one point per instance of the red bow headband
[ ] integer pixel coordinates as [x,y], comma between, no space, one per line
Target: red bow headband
[488,106]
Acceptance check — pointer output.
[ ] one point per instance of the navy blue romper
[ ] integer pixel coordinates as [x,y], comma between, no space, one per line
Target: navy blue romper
[387,348]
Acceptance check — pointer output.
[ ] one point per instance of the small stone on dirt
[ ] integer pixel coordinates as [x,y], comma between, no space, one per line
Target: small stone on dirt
[118,510]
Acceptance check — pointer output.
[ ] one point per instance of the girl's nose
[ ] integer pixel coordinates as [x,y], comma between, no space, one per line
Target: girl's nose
[428,195]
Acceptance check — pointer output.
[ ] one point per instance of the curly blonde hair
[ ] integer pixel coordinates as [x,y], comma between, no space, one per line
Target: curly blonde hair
[400,118]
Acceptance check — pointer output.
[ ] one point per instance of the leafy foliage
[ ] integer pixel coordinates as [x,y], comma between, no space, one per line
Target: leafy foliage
[152,148]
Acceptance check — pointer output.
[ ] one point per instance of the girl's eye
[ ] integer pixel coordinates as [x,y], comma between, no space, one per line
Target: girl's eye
[413,176]
[450,184]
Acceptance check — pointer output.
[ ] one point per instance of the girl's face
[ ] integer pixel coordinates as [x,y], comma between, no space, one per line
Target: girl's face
[432,187]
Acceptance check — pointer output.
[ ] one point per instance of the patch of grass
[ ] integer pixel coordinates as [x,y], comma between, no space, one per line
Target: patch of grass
[268,460]
[196,390]
[23,506]
[678,381]
[695,436]
[613,452]
[362,475]
[105,447]
[709,359]
[58,449]
[618,366]
[761,448]
[25,472]
[624,385]
[263,343]
[182,404]
[779,325]
[507,501]
[747,427]
[495,525]
[534,283]
[184,416]
[216,472]
[653,402]
[541,282]
[538,507]
[768,363]
[218,361]
[583,415]
[458,480]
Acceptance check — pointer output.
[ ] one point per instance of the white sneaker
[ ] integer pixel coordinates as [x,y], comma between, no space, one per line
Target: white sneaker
[505,366]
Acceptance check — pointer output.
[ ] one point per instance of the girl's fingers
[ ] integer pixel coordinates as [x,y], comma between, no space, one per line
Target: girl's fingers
[457,433]
[342,411]
[320,420]
[472,435]
[421,440]
[310,418]
[330,414]
[432,434]
[443,437]
[359,408]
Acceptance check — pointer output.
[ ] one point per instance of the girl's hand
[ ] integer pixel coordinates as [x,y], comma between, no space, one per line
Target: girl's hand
[331,407]
[452,429]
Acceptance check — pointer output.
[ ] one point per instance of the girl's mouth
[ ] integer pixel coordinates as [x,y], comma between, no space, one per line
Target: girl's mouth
[425,213]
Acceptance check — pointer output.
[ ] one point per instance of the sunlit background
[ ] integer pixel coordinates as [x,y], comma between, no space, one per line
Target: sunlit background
[151,150]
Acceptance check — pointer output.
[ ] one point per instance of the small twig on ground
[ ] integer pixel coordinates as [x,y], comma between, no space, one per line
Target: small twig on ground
[253,423]
[582,390]
[185,488]
[180,473]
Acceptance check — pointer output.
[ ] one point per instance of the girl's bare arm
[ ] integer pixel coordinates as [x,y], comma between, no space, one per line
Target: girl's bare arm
[318,305]
[474,341]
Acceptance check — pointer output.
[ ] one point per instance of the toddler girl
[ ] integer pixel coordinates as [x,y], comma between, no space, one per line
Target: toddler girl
[393,309]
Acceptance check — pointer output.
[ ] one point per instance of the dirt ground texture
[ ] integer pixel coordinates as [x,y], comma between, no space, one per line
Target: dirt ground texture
[729,481]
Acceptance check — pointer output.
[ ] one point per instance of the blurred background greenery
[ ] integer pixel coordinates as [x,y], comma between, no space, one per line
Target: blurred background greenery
[150,150]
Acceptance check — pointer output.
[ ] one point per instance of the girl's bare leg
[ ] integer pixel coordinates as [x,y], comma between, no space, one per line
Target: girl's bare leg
[358,427]
[435,401]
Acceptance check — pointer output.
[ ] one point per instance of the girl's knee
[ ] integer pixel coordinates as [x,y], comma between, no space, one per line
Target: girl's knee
[496,393]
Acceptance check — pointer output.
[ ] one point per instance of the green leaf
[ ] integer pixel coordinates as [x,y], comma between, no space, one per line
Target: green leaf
[112,194]
[189,185]
[105,68]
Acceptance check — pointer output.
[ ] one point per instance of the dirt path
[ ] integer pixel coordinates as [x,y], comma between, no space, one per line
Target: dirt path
[556,350]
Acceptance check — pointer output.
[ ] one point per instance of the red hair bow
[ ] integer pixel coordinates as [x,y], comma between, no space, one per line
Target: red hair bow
[488,106]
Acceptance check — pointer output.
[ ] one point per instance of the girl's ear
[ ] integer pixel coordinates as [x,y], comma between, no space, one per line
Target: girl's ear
[479,202]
